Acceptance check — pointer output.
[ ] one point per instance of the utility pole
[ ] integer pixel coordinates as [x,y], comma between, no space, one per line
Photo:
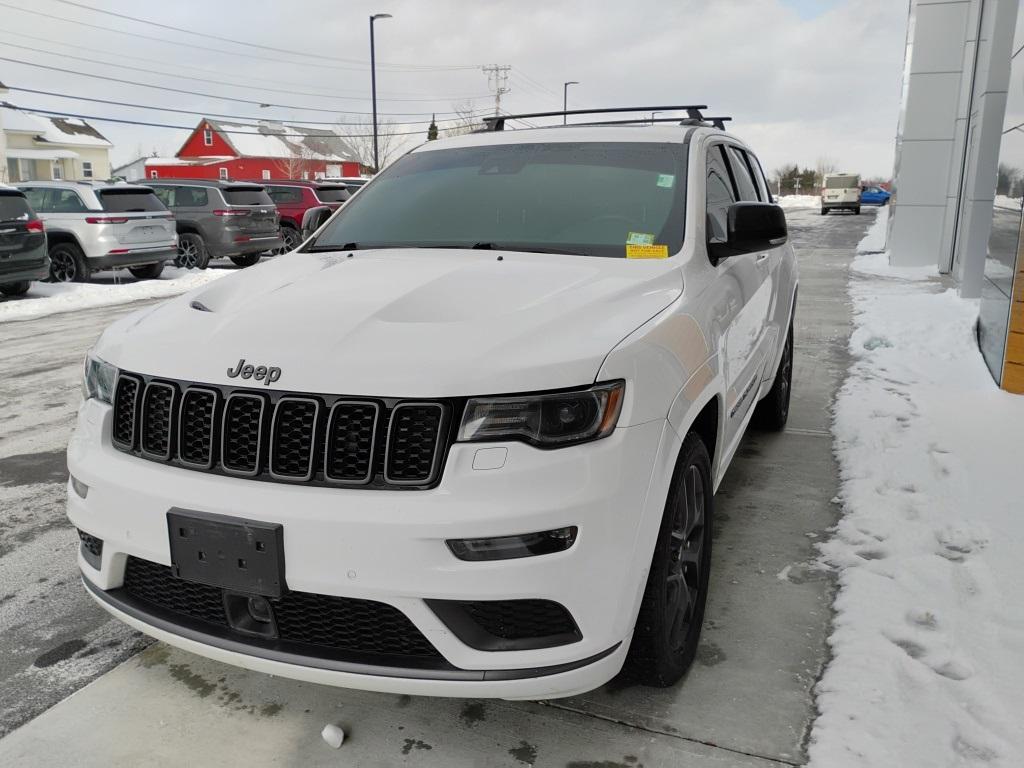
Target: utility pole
[497,80]
[373,85]
[565,97]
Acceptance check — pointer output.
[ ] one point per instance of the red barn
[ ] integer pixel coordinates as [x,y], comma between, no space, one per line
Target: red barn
[270,150]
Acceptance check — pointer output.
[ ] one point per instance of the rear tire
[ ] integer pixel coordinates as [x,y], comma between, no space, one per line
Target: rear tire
[772,412]
[857,210]
[246,261]
[671,615]
[68,265]
[15,289]
[824,211]
[147,271]
[192,253]
[291,240]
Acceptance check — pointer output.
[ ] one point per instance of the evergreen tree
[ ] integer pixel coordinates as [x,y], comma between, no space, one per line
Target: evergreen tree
[432,129]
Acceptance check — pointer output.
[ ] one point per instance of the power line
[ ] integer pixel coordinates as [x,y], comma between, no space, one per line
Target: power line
[132,105]
[100,119]
[149,59]
[232,85]
[535,82]
[202,94]
[165,41]
[228,39]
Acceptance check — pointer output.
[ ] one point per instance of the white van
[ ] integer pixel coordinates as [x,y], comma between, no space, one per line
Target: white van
[839,191]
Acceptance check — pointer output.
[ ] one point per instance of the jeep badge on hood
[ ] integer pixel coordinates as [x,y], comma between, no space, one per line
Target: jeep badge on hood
[267,375]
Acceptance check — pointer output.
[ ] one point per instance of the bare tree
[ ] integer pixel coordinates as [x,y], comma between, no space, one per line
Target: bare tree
[299,162]
[358,133]
[465,120]
[822,167]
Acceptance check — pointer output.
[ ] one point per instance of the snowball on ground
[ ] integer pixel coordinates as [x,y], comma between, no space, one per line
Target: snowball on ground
[928,639]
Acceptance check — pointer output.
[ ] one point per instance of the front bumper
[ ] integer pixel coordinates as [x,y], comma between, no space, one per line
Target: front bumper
[389,547]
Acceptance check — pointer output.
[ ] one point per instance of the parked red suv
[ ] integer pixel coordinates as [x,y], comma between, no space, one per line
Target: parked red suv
[293,197]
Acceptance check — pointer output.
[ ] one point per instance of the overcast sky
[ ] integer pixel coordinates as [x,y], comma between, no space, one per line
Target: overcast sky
[803,79]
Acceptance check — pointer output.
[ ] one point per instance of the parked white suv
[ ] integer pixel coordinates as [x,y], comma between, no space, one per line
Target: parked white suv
[465,441]
[95,225]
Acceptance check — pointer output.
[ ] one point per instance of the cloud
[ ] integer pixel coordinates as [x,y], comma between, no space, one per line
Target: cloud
[799,85]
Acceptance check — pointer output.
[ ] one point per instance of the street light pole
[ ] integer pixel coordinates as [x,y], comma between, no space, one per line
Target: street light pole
[565,96]
[652,116]
[373,85]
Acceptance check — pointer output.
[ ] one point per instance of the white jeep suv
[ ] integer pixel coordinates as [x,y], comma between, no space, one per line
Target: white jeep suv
[465,440]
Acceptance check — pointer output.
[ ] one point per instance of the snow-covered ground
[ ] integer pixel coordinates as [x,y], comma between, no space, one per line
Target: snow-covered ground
[799,201]
[928,637]
[49,298]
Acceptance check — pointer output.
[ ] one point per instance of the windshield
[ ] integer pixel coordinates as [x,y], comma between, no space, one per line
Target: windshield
[130,201]
[842,182]
[14,207]
[333,194]
[247,196]
[584,198]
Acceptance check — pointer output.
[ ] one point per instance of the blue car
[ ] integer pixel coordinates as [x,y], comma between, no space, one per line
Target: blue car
[874,196]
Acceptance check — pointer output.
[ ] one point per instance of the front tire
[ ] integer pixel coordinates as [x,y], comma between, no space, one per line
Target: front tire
[772,412]
[246,261]
[19,288]
[67,264]
[147,271]
[672,612]
[192,253]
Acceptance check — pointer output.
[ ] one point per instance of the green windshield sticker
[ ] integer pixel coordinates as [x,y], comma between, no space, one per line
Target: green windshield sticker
[640,238]
[666,180]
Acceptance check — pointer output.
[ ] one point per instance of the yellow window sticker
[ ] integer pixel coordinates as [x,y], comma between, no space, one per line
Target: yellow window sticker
[640,238]
[646,251]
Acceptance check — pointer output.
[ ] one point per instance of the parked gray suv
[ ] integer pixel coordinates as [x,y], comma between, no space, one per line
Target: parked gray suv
[97,225]
[220,218]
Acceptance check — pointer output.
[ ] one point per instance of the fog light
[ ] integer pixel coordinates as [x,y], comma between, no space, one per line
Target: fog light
[80,488]
[259,609]
[511,547]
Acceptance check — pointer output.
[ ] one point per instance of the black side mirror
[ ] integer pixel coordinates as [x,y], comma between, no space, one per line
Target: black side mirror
[751,227]
[313,219]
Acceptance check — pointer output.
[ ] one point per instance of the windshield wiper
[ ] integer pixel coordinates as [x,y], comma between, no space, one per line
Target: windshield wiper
[321,248]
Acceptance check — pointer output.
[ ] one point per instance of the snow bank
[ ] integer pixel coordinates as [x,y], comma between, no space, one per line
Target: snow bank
[50,298]
[928,637]
[799,201]
[874,239]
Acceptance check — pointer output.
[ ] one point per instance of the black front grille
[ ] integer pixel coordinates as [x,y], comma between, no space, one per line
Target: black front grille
[242,433]
[341,624]
[157,412]
[269,435]
[126,396]
[412,442]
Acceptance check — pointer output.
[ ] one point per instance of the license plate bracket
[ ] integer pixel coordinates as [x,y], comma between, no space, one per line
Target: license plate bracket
[227,552]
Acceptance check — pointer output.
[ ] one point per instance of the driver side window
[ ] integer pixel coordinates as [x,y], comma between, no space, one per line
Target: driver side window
[719,196]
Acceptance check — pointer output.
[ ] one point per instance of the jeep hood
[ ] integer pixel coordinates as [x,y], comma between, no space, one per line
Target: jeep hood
[400,322]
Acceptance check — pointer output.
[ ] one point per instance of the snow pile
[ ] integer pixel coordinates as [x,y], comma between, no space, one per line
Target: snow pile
[928,639]
[874,239]
[799,201]
[50,298]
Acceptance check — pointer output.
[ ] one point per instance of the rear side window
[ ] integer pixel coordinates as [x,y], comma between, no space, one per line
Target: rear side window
[63,201]
[247,196]
[333,194]
[190,197]
[14,207]
[36,198]
[130,201]
[285,195]
[741,174]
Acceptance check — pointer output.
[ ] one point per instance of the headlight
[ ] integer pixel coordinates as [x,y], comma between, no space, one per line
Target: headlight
[545,420]
[99,379]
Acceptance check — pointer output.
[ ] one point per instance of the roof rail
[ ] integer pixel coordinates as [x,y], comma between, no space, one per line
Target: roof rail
[497,122]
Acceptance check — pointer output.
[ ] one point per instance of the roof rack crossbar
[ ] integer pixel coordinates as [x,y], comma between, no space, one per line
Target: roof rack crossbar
[497,122]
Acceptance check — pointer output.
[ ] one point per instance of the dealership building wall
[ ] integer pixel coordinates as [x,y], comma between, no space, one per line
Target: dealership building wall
[952,207]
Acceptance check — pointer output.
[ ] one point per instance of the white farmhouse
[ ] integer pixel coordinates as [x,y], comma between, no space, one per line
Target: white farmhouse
[39,148]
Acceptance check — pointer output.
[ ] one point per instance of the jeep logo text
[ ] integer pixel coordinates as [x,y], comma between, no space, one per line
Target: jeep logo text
[268,375]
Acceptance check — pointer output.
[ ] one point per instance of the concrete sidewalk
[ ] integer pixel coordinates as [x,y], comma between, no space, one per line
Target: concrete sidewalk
[747,702]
